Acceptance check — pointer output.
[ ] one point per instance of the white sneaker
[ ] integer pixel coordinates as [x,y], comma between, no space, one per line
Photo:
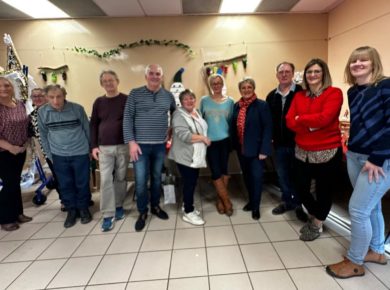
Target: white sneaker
[195,210]
[193,218]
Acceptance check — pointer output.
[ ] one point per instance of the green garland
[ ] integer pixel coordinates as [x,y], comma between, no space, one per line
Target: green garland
[149,42]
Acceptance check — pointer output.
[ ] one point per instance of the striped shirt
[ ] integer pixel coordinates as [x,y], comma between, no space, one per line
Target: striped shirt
[370,121]
[145,118]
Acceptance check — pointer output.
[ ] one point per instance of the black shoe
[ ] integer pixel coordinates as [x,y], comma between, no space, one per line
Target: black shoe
[70,218]
[140,223]
[280,209]
[256,214]
[158,212]
[301,215]
[247,207]
[85,216]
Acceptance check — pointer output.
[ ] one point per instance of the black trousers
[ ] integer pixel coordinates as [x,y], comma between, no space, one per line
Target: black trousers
[189,176]
[326,176]
[218,157]
[11,205]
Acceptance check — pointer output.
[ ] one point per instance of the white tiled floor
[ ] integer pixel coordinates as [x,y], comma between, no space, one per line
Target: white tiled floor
[234,253]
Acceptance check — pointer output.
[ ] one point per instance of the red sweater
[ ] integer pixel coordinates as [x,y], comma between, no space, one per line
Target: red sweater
[317,125]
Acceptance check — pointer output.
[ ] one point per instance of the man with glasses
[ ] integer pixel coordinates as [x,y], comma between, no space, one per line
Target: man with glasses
[109,149]
[279,101]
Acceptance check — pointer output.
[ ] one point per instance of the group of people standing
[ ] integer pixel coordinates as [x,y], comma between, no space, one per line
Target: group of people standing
[300,124]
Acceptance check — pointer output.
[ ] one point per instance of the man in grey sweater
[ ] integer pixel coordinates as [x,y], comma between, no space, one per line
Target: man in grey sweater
[64,130]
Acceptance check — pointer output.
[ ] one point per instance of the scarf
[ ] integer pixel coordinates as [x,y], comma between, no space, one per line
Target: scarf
[243,104]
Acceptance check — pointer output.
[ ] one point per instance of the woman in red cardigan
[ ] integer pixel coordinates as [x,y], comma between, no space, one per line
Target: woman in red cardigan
[314,117]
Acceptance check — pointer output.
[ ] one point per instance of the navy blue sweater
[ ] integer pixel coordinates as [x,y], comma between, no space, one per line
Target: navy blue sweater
[370,121]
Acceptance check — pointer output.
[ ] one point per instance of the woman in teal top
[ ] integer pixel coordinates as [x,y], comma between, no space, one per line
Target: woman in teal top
[217,110]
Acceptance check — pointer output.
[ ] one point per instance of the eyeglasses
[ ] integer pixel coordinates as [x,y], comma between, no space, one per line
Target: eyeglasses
[316,72]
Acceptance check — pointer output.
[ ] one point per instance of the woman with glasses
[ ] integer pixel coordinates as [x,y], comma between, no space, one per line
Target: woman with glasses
[217,110]
[368,161]
[314,117]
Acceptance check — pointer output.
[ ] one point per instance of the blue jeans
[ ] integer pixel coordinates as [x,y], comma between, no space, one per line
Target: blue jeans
[73,179]
[189,176]
[252,171]
[150,162]
[284,159]
[365,209]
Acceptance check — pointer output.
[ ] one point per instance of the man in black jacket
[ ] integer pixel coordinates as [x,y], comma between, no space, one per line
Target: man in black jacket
[279,101]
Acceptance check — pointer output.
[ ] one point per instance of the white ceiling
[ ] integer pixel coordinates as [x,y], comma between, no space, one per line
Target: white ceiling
[139,8]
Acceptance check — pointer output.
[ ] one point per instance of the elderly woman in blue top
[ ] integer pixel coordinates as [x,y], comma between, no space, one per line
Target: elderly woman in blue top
[368,161]
[217,110]
[189,143]
[64,131]
[252,135]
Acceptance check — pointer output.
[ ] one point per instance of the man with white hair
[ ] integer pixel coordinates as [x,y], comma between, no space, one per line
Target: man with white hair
[145,129]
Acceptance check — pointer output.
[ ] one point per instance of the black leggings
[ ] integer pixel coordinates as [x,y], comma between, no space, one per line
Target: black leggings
[218,157]
[326,176]
[11,205]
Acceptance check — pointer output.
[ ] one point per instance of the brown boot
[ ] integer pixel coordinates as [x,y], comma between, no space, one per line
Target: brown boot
[223,195]
[226,179]
[220,207]
[376,258]
[345,269]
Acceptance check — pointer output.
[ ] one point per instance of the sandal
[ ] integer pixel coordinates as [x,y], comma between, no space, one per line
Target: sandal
[373,257]
[345,269]
[9,227]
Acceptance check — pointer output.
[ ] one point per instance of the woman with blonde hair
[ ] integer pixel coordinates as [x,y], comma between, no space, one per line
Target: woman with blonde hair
[13,137]
[217,110]
[368,161]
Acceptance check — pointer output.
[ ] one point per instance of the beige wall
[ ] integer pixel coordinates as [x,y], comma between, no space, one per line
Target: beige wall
[356,23]
[268,39]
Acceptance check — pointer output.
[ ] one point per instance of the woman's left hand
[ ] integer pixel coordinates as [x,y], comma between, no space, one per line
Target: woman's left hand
[373,171]
[262,156]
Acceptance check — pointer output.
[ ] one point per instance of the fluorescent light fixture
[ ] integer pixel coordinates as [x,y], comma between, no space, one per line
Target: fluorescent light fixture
[239,6]
[37,8]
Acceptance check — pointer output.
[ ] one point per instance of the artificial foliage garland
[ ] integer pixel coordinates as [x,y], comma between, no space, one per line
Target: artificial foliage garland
[148,42]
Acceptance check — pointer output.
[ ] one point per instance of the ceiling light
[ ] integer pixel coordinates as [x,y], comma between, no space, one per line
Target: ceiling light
[37,8]
[235,6]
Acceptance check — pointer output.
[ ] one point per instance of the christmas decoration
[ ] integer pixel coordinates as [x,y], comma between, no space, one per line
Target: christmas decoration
[177,86]
[142,42]
[244,62]
[54,72]
[53,77]
[18,74]
[222,66]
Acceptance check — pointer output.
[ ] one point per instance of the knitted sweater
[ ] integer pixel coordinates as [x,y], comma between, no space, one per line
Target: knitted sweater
[145,118]
[107,120]
[65,132]
[317,125]
[370,121]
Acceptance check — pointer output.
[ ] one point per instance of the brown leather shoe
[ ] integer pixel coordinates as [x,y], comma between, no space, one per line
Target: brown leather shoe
[376,258]
[345,269]
[24,219]
[9,227]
